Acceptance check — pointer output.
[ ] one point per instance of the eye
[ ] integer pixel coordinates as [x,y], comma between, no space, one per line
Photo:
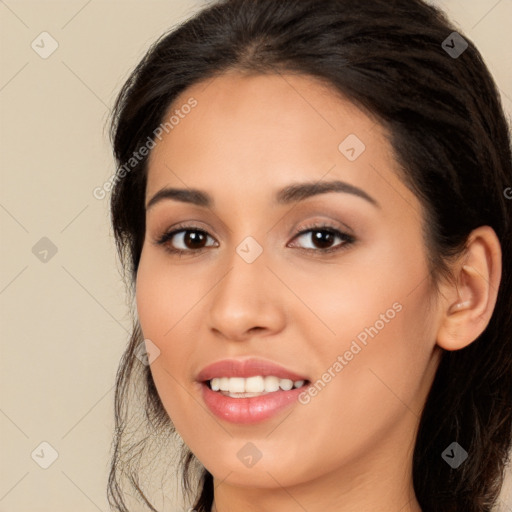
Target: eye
[191,239]
[324,235]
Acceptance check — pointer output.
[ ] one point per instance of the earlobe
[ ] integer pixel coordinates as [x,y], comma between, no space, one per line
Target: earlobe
[470,301]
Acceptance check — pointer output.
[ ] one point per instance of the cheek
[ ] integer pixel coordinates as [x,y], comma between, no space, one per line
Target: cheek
[364,289]
[164,297]
[376,385]
[381,337]
[165,300]
[159,309]
[379,363]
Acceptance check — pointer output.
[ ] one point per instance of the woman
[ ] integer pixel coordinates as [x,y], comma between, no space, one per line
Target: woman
[311,206]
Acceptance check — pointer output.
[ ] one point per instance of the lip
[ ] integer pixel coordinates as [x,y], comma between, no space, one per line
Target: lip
[247,368]
[254,409]
[248,410]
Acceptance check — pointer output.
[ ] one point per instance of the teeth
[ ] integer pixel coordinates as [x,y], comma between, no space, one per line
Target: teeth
[223,384]
[271,384]
[236,385]
[253,385]
[286,384]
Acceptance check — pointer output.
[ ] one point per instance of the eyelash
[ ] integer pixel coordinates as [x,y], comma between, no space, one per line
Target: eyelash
[347,239]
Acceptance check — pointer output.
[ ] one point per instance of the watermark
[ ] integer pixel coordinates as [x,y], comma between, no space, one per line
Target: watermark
[249,455]
[454,455]
[249,249]
[343,360]
[44,45]
[146,352]
[454,45]
[44,455]
[352,147]
[143,151]
[44,249]
[508,193]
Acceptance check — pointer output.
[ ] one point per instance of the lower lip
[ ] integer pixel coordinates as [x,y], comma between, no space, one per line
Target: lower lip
[248,410]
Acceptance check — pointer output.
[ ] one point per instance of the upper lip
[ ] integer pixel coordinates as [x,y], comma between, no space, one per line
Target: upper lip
[246,368]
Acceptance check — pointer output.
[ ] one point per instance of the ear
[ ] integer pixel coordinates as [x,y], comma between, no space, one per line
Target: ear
[470,300]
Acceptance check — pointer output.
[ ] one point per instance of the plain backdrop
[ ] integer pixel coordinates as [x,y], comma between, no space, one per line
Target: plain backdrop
[64,319]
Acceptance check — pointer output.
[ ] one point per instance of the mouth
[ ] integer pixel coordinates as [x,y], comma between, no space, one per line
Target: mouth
[250,390]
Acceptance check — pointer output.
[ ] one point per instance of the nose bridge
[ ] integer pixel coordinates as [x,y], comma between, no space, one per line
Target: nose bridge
[241,299]
[247,256]
[244,278]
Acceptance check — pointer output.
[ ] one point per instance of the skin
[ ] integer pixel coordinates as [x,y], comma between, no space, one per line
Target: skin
[350,448]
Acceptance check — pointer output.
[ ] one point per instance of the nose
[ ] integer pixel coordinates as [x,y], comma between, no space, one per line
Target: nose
[247,300]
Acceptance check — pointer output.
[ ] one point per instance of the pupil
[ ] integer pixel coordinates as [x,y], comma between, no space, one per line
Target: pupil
[318,238]
[193,236]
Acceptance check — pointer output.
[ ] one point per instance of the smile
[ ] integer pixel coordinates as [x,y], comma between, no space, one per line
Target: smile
[238,387]
[249,390]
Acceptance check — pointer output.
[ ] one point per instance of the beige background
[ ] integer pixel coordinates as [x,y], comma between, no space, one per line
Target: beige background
[64,322]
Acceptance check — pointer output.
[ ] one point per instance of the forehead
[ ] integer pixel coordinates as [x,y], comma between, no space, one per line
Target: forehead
[261,132]
[264,108]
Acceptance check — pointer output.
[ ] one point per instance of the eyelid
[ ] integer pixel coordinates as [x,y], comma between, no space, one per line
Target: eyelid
[324,224]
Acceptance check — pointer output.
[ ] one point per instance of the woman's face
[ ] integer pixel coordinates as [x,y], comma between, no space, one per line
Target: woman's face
[353,323]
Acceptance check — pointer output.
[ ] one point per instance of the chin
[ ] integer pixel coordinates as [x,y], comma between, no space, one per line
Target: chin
[262,474]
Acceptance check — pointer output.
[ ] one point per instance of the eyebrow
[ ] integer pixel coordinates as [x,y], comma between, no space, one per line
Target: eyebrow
[290,194]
